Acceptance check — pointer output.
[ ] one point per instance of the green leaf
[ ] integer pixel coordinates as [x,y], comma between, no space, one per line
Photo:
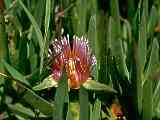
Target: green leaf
[38,102]
[96,86]
[46,83]
[154,60]
[4,52]
[131,9]
[147,100]
[129,32]
[96,111]
[145,8]
[156,98]
[8,3]
[32,55]
[82,15]
[69,113]
[60,97]
[115,14]
[84,104]
[15,74]
[141,60]
[37,30]
[102,49]
[47,15]
[74,109]
[46,25]
[117,49]
[23,64]
[142,42]
[153,74]
[38,14]
[34,23]
[21,110]
[92,33]
[153,18]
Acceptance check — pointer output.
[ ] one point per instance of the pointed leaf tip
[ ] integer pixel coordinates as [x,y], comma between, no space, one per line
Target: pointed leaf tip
[96,86]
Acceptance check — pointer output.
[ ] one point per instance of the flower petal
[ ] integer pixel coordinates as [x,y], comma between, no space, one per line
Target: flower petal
[78,61]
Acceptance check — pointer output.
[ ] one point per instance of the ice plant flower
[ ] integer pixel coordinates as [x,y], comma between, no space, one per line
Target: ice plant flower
[116,110]
[77,60]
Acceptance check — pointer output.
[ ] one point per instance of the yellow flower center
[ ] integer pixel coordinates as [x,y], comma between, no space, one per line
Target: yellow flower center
[72,74]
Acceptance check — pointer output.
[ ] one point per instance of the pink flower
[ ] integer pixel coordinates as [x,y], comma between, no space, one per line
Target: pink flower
[77,60]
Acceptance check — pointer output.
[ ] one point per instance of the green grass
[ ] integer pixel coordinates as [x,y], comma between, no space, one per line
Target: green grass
[124,36]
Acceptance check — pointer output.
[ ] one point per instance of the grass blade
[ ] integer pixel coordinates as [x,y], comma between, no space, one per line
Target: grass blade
[154,60]
[46,25]
[48,82]
[34,23]
[3,45]
[153,18]
[47,16]
[116,40]
[38,102]
[142,50]
[22,111]
[84,104]
[61,94]
[97,86]
[147,100]
[37,30]
[15,74]
[96,111]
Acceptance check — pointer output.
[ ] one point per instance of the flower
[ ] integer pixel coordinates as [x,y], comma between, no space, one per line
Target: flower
[77,60]
[116,110]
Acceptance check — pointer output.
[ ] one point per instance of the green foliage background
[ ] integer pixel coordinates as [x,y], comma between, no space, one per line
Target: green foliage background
[124,36]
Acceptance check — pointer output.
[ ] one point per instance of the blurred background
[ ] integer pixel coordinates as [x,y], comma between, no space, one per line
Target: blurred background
[124,35]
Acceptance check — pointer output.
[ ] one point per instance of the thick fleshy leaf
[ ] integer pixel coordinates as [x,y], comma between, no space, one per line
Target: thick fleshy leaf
[47,15]
[147,100]
[46,24]
[38,102]
[48,82]
[152,21]
[22,111]
[82,16]
[35,25]
[15,74]
[69,113]
[96,86]
[60,97]
[96,110]
[92,32]
[84,103]
[153,61]
[37,30]
[142,53]
[116,40]
[4,52]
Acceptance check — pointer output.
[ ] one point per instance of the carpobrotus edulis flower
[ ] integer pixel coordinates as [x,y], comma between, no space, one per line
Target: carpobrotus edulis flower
[77,60]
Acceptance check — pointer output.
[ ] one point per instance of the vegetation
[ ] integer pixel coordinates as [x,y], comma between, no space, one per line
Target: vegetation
[122,34]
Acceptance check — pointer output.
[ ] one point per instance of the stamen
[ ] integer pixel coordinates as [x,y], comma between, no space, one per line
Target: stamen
[78,60]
